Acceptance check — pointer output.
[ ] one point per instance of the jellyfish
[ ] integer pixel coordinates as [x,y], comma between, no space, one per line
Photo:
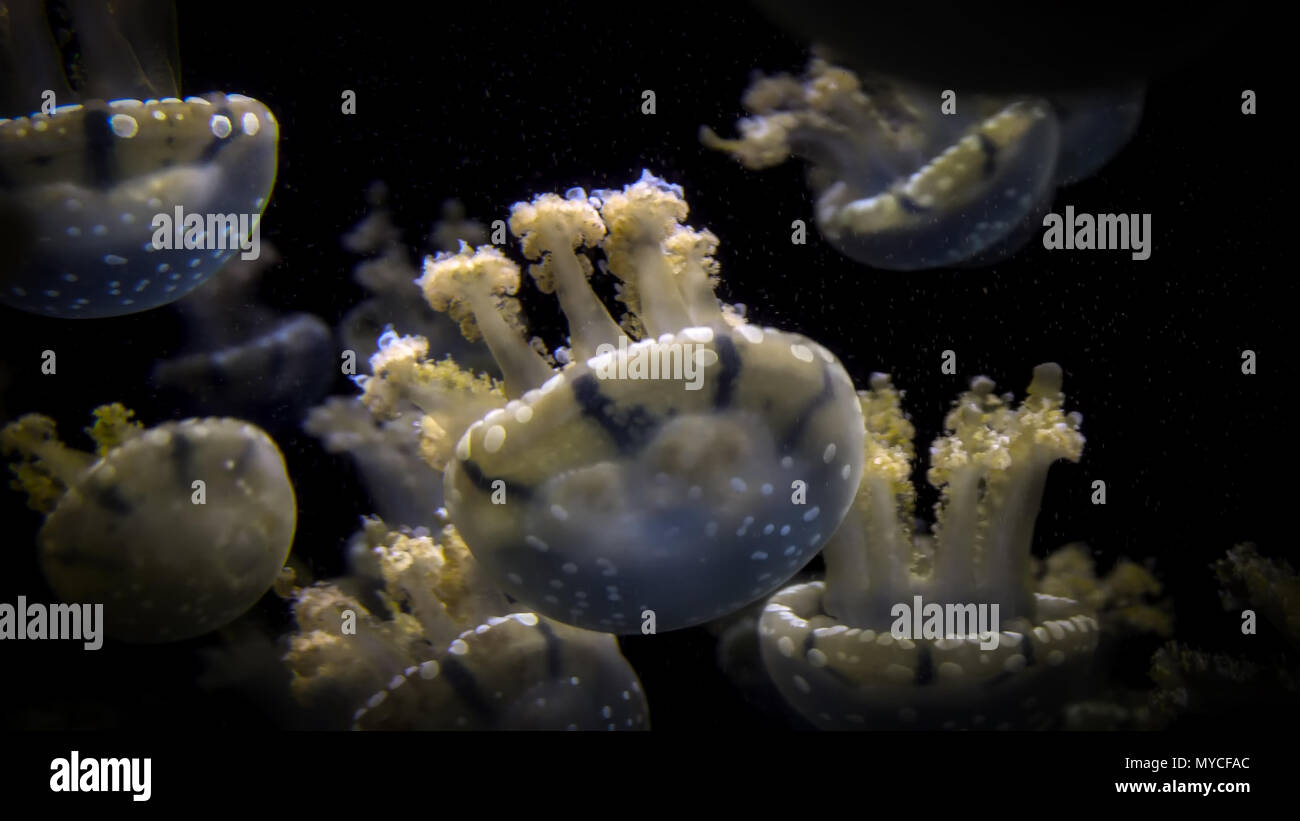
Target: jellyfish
[403,488]
[617,485]
[1128,601]
[264,366]
[834,648]
[388,274]
[1260,678]
[443,648]
[1249,580]
[454,227]
[116,195]
[907,178]
[176,530]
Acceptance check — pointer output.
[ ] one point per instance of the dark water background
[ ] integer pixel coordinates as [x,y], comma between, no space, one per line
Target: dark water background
[491,106]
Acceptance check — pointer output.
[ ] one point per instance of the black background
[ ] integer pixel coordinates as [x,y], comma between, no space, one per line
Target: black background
[492,105]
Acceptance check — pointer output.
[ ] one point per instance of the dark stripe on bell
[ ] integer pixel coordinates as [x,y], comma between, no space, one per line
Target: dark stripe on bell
[110,498]
[462,681]
[794,434]
[214,146]
[990,155]
[182,456]
[910,205]
[630,426]
[101,163]
[728,371]
[810,643]
[924,664]
[79,559]
[554,649]
[245,457]
[484,483]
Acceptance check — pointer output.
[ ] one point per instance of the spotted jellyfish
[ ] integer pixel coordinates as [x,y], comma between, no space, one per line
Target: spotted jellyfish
[445,649]
[177,530]
[116,195]
[605,491]
[903,184]
[836,649]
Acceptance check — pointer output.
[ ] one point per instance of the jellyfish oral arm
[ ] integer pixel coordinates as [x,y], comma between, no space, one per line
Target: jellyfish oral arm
[478,291]
[991,469]
[550,228]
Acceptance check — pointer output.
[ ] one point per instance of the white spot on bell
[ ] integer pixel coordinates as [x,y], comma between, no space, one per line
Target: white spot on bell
[124,125]
[220,125]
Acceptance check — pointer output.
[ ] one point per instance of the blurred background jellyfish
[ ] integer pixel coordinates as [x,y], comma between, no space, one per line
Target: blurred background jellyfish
[908,177]
[832,647]
[177,530]
[388,274]
[402,487]
[419,638]
[1258,680]
[246,360]
[117,196]
[608,492]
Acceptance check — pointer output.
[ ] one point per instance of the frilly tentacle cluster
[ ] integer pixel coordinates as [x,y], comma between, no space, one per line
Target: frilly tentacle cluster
[830,646]
[421,639]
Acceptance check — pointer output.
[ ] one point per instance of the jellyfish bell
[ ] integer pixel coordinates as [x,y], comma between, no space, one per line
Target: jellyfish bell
[1095,124]
[541,675]
[178,530]
[116,195]
[287,359]
[625,498]
[910,177]
[902,184]
[625,493]
[964,197]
